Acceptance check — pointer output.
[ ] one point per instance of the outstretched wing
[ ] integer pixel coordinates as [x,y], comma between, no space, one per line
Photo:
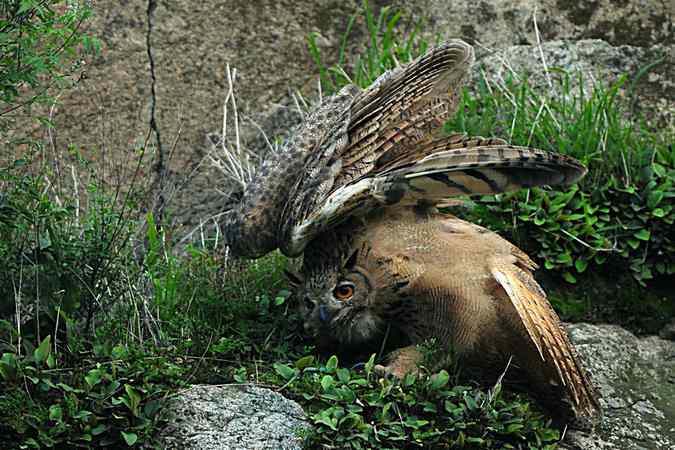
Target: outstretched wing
[403,108]
[545,332]
[341,141]
[447,167]
[382,146]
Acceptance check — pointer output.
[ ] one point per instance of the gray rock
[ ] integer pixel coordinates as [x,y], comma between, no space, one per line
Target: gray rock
[502,23]
[636,381]
[241,417]
[653,92]
[668,332]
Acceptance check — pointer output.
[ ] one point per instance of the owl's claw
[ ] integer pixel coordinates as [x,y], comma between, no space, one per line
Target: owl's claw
[388,372]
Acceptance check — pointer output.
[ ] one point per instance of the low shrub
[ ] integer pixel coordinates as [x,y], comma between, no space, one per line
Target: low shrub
[357,410]
[621,214]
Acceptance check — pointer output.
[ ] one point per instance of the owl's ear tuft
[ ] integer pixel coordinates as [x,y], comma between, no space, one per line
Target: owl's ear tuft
[294,279]
[351,261]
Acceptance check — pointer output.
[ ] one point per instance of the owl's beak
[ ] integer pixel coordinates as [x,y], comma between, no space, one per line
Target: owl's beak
[324,314]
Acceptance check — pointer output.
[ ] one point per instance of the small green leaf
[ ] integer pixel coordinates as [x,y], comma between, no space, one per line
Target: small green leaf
[569,277]
[643,235]
[514,427]
[646,273]
[343,375]
[281,297]
[129,438]
[93,377]
[132,400]
[633,243]
[327,382]
[119,352]
[564,258]
[654,198]
[82,415]
[42,352]
[409,379]
[55,413]
[439,380]
[332,363]
[581,265]
[305,361]
[8,366]
[658,212]
[370,364]
[240,375]
[286,372]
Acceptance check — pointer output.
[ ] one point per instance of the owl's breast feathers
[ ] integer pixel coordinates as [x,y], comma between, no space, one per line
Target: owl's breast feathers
[465,285]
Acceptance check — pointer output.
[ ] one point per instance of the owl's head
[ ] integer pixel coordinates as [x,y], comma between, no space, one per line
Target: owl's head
[337,299]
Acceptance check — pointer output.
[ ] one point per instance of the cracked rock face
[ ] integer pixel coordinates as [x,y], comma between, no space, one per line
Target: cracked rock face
[636,379]
[232,417]
[502,23]
[653,94]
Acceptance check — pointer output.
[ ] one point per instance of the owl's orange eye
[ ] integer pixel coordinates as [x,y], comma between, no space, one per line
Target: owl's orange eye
[344,292]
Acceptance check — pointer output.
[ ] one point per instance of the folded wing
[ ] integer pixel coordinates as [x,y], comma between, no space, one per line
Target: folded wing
[544,330]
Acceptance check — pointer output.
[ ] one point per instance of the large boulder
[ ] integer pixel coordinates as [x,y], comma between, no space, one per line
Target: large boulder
[636,380]
[232,417]
[503,23]
[650,84]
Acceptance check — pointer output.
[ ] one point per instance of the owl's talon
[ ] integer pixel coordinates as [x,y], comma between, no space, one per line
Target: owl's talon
[387,372]
[380,370]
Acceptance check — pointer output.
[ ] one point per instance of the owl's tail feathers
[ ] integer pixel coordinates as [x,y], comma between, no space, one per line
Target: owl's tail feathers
[544,330]
[448,171]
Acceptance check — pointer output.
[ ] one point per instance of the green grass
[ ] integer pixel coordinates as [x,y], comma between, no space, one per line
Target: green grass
[386,48]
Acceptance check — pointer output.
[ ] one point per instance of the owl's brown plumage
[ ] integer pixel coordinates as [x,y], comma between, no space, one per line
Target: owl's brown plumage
[366,149]
[429,275]
[353,188]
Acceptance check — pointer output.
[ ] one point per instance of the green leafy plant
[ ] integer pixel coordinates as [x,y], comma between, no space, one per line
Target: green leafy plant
[386,49]
[359,410]
[58,263]
[100,402]
[620,214]
[39,44]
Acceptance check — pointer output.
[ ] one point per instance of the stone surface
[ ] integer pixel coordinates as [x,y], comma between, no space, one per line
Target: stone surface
[503,23]
[107,113]
[652,93]
[231,417]
[636,381]
[668,332]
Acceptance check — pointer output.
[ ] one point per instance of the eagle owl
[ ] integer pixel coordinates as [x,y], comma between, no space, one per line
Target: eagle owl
[426,275]
[355,188]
